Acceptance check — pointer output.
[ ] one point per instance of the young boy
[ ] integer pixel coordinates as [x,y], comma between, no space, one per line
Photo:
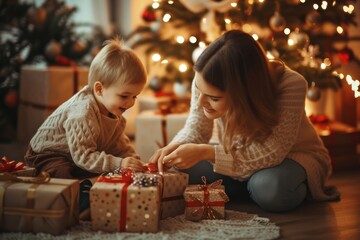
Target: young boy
[84,136]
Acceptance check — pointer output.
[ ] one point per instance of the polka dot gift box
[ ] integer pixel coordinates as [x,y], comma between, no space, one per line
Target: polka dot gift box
[125,203]
[172,201]
[173,186]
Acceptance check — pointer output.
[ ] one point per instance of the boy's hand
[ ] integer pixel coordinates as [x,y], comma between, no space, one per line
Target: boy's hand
[133,163]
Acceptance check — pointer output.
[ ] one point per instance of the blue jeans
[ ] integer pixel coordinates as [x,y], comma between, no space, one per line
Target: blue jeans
[276,189]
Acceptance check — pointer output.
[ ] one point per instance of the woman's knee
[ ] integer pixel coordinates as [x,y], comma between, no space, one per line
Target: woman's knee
[277,191]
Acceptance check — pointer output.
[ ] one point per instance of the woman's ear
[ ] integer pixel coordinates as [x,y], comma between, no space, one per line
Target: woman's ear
[98,88]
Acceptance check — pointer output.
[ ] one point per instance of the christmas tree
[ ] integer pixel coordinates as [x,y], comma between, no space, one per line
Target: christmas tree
[302,33]
[36,35]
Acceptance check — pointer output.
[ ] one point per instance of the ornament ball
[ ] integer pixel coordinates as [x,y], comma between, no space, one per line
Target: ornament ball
[53,50]
[313,93]
[11,98]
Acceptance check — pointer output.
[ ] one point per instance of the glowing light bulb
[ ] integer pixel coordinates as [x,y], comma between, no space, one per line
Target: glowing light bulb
[183,67]
[193,39]
[180,39]
[156,57]
[339,29]
[166,17]
[155,5]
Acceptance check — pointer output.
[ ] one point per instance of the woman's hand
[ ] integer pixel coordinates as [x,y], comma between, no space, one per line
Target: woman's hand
[159,155]
[183,156]
[133,163]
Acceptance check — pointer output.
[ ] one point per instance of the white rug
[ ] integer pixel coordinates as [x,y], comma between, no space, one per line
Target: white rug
[237,225]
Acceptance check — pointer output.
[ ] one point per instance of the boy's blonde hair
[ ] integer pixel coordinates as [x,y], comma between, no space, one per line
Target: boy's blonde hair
[116,62]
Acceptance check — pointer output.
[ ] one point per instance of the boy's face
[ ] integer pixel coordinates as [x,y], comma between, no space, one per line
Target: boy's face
[118,97]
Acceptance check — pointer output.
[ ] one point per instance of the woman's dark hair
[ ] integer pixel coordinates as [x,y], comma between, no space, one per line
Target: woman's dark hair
[237,64]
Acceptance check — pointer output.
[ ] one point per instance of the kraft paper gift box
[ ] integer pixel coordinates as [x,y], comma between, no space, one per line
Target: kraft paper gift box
[341,140]
[154,130]
[38,204]
[172,201]
[25,172]
[147,101]
[42,90]
[118,204]
[204,201]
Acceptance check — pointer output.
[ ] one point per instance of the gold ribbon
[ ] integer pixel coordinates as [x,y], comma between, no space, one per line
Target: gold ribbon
[43,177]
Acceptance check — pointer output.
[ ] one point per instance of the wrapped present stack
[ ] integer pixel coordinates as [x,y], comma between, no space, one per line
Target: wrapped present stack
[135,202]
[118,203]
[42,90]
[159,120]
[340,139]
[38,204]
[205,201]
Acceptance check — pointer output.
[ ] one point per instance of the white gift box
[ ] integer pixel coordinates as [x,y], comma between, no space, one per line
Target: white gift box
[42,90]
[154,130]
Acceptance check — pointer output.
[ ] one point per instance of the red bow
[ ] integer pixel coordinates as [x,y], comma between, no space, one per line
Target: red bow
[10,166]
[125,177]
[151,168]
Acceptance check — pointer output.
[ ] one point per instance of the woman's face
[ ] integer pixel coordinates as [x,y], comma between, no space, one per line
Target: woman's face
[212,100]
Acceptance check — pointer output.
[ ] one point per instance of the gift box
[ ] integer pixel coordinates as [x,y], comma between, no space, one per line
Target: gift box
[25,172]
[205,201]
[167,103]
[341,141]
[38,204]
[172,200]
[120,204]
[42,90]
[155,130]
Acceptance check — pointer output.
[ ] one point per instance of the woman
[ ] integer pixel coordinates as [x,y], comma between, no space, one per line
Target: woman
[266,140]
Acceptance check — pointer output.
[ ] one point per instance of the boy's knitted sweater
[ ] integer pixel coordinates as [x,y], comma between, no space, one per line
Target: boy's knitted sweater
[95,142]
[294,137]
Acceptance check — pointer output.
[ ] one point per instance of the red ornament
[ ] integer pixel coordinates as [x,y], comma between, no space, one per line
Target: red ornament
[345,55]
[11,98]
[149,15]
[63,61]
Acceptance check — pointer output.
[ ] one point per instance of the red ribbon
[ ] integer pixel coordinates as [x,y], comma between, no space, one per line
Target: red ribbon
[10,166]
[319,119]
[205,204]
[151,168]
[126,178]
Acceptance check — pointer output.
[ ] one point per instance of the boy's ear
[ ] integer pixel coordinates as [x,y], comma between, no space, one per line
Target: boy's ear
[98,87]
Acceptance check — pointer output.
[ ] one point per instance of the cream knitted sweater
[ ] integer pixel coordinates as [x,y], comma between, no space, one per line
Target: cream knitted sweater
[95,142]
[294,137]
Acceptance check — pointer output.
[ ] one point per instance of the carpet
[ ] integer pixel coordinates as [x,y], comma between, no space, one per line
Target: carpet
[237,225]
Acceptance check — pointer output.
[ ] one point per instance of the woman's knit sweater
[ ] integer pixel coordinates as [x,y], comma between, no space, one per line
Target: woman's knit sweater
[95,142]
[294,137]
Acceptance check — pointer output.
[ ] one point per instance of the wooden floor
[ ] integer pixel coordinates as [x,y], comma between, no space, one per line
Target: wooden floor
[324,220]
